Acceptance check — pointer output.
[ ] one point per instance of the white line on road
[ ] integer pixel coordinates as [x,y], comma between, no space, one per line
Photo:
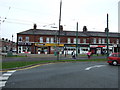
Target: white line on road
[4,78]
[7,74]
[2,84]
[11,71]
[94,67]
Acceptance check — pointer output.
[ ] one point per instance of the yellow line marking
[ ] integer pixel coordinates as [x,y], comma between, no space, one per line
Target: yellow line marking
[25,68]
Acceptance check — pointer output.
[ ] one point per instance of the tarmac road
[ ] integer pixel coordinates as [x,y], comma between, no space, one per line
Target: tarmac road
[66,75]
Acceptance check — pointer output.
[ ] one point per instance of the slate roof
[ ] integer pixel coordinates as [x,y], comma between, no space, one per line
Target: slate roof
[69,33]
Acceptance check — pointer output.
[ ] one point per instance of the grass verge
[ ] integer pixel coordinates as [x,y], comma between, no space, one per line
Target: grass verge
[15,64]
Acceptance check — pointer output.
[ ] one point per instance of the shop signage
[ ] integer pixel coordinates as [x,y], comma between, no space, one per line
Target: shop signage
[39,44]
[24,43]
[48,44]
[53,44]
[93,45]
[101,46]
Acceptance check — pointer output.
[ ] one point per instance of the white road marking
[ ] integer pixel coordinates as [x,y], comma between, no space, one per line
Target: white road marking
[7,74]
[11,71]
[4,78]
[2,84]
[94,67]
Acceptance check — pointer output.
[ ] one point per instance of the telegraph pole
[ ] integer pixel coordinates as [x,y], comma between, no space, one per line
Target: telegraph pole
[77,40]
[59,30]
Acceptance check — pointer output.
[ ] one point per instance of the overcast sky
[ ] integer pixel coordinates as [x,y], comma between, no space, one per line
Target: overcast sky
[20,15]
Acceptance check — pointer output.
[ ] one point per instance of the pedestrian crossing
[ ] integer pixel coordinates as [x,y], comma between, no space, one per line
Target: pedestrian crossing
[4,77]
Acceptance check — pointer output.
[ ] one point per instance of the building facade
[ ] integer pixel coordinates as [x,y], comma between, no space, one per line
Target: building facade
[43,41]
[7,45]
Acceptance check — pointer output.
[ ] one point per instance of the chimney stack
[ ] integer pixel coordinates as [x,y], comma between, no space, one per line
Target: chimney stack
[84,28]
[35,26]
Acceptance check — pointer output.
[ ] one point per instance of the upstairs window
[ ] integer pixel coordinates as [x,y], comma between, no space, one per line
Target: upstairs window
[27,39]
[103,40]
[41,39]
[74,40]
[117,41]
[20,39]
[47,40]
[79,40]
[69,40]
[52,40]
[94,40]
[99,41]
[84,40]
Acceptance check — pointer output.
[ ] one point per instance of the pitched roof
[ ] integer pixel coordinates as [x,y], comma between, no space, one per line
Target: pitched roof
[69,33]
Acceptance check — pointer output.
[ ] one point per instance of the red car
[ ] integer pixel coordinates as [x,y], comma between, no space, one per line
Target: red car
[114,59]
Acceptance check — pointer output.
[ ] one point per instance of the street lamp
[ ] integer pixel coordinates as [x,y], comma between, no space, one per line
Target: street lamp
[59,29]
[107,32]
[77,39]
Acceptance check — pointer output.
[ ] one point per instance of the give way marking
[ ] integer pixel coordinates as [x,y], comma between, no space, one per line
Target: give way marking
[96,66]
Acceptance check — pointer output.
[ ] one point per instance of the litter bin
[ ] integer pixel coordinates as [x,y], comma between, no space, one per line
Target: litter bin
[9,53]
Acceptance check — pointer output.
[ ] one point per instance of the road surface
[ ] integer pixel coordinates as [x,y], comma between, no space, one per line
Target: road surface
[64,75]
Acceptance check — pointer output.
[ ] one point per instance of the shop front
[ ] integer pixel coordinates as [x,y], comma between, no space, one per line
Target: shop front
[24,47]
[82,49]
[102,49]
[47,48]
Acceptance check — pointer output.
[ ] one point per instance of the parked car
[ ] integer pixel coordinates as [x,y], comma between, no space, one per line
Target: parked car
[114,59]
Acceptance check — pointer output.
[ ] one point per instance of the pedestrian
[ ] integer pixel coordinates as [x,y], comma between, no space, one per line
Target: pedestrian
[89,54]
[98,52]
[73,55]
[65,53]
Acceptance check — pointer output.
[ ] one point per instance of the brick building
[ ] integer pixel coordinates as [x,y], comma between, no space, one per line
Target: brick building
[44,41]
[7,45]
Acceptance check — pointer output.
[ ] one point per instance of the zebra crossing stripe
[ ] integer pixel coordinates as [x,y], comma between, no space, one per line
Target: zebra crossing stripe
[4,78]
[11,71]
[7,74]
[2,84]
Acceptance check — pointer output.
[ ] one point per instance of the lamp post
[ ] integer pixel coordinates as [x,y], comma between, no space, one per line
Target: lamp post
[107,32]
[77,40]
[59,30]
